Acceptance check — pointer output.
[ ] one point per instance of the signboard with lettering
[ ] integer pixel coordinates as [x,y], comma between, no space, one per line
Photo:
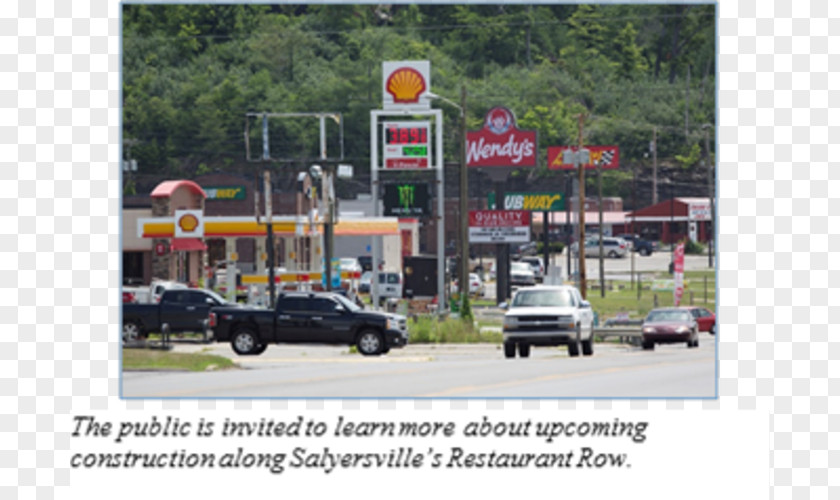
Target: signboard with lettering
[407,199]
[604,156]
[699,211]
[500,143]
[679,268]
[535,202]
[499,226]
[225,192]
[406,145]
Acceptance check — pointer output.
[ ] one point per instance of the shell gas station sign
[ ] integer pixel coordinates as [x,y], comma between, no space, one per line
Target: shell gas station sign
[189,224]
[404,83]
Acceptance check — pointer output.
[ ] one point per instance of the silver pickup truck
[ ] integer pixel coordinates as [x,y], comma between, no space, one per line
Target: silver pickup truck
[548,316]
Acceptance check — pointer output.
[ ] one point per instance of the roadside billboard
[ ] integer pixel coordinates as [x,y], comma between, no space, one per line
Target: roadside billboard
[500,143]
[499,226]
[606,156]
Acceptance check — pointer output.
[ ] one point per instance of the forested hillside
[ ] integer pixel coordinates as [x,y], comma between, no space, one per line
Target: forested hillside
[192,72]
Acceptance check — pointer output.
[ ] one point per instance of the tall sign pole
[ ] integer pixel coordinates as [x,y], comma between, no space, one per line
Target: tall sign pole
[582,203]
[463,276]
[269,235]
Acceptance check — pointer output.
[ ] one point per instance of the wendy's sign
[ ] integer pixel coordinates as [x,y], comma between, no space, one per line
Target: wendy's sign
[500,143]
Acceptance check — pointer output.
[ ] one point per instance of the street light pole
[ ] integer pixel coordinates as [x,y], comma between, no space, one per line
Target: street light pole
[463,277]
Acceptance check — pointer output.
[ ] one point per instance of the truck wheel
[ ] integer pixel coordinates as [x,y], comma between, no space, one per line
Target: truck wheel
[131,331]
[369,343]
[644,252]
[647,345]
[574,345]
[510,350]
[613,254]
[244,342]
[524,350]
[260,349]
[586,346]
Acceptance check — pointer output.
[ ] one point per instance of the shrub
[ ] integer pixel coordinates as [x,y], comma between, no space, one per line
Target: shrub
[428,330]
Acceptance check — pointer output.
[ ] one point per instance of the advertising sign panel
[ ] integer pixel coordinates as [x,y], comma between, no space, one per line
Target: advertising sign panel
[189,224]
[225,192]
[407,199]
[499,226]
[403,84]
[406,145]
[535,202]
[500,143]
[606,156]
[699,211]
[679,268]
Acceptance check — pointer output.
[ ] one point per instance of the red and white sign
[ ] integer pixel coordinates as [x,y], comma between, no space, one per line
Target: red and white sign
[605,156]
[500,143]
[699,211]
[500,226]
[404,83]
[679,268]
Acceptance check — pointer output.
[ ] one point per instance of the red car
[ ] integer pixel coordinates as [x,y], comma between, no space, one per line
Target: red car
[705,319]
[669,325]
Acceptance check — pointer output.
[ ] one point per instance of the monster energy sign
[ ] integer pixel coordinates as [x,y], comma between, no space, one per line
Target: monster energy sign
[535,202]
[407,199]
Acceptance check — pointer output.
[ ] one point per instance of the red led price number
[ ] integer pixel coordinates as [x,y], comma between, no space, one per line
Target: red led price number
[394,134]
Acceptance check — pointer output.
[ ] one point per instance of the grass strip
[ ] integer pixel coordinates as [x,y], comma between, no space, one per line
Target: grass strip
[147,359]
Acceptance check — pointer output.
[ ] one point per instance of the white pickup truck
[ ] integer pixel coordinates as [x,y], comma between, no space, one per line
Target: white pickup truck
[548,316]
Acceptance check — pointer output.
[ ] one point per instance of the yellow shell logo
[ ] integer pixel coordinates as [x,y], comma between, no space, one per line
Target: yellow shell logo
[406,85]
[188,223]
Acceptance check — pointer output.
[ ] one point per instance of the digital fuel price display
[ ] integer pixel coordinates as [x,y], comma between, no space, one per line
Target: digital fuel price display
[406,145]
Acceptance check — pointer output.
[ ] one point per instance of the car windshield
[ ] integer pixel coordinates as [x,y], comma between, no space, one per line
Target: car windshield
[347,303]
[542,298]
[664,316]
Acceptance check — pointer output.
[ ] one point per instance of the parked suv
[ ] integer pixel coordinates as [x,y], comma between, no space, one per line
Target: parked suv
[537,265]
[644,247]
[613,247]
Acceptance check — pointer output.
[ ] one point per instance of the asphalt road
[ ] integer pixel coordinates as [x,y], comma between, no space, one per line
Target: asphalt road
[443,371]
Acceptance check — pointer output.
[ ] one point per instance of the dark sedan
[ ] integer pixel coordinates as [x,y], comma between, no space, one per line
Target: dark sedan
[669,325]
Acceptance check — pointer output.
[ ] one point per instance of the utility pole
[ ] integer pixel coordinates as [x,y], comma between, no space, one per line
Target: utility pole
[653,151]
[600,230]
[463,275]
[582,217]
[269,229]
[709,236]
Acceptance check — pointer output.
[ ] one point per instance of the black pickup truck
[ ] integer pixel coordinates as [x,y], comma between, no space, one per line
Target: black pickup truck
[184,309]
[309,318]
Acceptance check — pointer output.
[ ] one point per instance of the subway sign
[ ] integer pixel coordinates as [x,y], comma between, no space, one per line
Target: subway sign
[535,202]
[225,193]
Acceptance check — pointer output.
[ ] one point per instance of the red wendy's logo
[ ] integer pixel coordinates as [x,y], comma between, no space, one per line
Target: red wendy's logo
[500,143]
[499,120]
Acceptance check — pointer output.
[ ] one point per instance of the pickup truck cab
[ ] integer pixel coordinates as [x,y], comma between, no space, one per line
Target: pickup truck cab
[309,318]
[548,316]
[183,309]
